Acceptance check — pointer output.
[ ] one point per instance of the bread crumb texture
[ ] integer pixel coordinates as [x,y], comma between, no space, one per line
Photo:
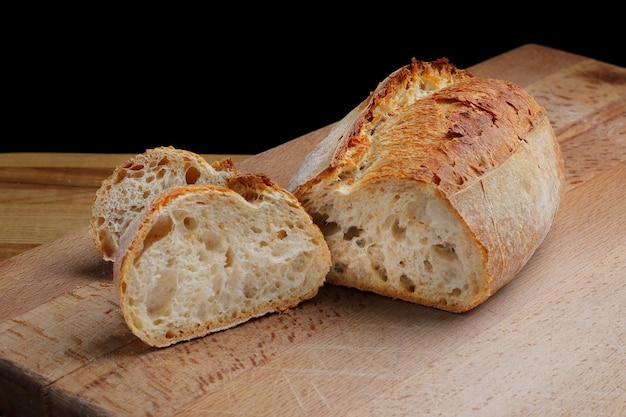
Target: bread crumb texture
[407,244]
[208,259]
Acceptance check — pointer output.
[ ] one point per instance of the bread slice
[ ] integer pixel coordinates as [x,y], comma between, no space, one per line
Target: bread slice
[125,193]
[203,258]
[436,189]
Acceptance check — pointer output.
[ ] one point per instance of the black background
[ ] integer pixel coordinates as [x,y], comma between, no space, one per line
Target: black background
[245,80]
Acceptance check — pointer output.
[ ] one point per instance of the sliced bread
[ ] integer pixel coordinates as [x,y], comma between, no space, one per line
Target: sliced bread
[203,258]
[126,192]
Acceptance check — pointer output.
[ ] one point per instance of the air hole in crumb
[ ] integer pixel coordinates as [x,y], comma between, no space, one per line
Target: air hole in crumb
[352,232]
[211,240]
[398,231]
[256,229]
[159,230]
[249,291]
[229,258]
[327,228]
[407,283]
[169,334]
[446,251]
[428,266]
[282,234]
[120,176]
[381,271]
[339,268]
[192,175]
[190,223]
[455,292]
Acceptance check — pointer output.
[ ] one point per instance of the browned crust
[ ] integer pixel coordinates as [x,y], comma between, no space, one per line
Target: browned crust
[353,146]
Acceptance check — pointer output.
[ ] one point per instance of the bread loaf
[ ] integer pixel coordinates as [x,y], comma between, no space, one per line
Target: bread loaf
[133,184]
[203,258]
[436,189]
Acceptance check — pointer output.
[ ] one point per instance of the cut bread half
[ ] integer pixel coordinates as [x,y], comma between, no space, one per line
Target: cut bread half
[437,189]
[203,258]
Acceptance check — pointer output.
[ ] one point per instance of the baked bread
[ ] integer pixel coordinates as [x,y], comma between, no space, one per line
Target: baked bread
[133,184]
[436,189]
[203,258]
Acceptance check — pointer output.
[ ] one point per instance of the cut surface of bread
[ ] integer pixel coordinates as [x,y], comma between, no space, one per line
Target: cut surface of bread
[133,184]
[437,189]
[203,258]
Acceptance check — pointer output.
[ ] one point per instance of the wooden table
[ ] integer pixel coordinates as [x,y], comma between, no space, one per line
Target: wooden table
[550,343]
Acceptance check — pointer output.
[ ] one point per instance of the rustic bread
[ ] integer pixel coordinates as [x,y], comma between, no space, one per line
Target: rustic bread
[203,258]
[133,184]
[436,189]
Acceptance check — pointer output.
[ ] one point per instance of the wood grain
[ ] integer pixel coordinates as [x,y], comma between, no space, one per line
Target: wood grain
[551,342]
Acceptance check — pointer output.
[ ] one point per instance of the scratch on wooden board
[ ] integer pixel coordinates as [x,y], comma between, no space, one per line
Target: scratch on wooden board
[321,396]
[291,387]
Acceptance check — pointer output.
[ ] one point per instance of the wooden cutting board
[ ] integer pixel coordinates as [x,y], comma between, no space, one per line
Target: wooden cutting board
[551,342]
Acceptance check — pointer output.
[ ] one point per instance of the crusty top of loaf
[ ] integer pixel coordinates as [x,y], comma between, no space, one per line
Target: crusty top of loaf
[427,118]
[450,121]
[345,146]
